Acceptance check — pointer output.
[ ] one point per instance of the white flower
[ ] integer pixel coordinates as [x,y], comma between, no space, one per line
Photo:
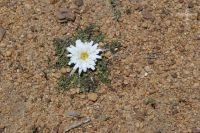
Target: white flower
[83,56]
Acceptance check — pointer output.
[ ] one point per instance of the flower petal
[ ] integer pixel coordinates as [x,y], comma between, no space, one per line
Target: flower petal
[90,43]
[80,71]
[78,41]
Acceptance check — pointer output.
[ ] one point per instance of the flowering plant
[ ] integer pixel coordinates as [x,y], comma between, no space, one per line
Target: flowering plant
[83,55]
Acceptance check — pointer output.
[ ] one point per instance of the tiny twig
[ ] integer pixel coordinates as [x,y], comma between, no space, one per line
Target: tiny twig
[77,124]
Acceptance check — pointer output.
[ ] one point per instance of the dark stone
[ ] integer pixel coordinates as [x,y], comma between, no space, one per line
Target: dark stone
[78,2]
[2,32]
[65,15]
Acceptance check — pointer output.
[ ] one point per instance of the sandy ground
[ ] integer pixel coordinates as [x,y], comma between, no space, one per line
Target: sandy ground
[155,77]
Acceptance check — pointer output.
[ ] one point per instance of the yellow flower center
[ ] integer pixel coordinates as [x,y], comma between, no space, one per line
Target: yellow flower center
[84,56]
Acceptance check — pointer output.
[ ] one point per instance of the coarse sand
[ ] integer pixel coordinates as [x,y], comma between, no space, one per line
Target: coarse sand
[155,77]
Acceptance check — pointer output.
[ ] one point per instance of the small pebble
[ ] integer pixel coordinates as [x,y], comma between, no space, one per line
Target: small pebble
[28,6]
[147,69]
[198,37]
[2,32]
[2,45]
[137,125]
[56,75]
[78,2]
[8,53]
[30,36]
[147,15]
[65,15]
[60,15]
[82,96]
[63,70]
[53,1]
[73,114]
[198,16]
[196,85]
[125,82]
[108,54]
[92,96]
[101,44]
[143,74]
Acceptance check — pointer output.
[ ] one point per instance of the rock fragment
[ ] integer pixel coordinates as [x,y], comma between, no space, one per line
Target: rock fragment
[92,96]
[78,2]
[64,70]
[64,15]
[198,16]
[73,114]
[148,15]
[2,32]
[2,45]
[8,53]
[53,1]
[198,37]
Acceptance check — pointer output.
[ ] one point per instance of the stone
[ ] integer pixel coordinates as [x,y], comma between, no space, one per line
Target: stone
[82,96]
[78,2]
[139,7]
[8,53]
[92,96]
[196,130]
[196,85]
[147,69]
[174,75]
[60,15]
[148,15]
[143,74]
[63,70]
[101,44]
[108,54]
[125,82]
[2,45]
[2,32]
[198,16]
[198,37]
[30,36]
[53,1]
[73,114]
[65,15]
[28,6]
[137,124]
[56,75]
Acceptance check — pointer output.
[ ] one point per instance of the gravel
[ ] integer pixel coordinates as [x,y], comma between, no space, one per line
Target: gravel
[139,71]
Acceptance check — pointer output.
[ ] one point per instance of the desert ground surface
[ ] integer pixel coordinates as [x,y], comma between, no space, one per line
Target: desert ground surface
[155,77]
